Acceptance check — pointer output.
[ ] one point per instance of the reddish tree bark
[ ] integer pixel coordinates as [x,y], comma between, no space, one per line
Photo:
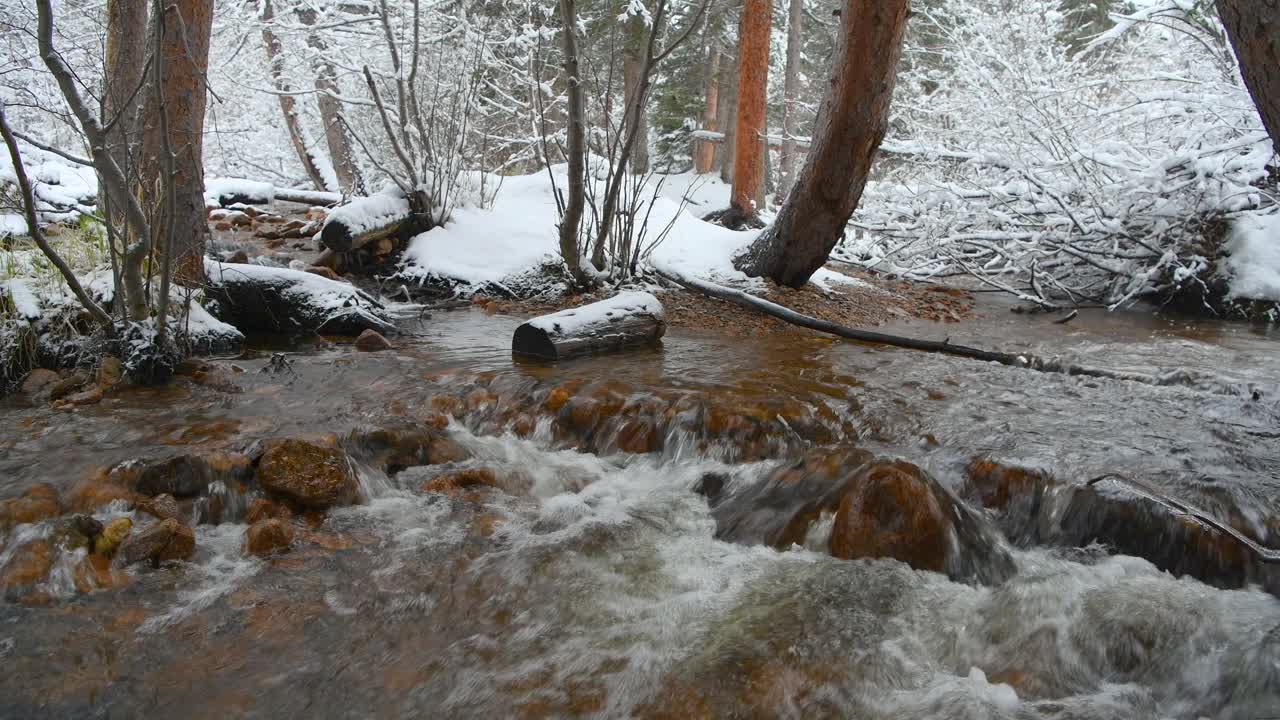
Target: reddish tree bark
[1254,29]
[753,82]
[181,96]
[705,154]
[847,136]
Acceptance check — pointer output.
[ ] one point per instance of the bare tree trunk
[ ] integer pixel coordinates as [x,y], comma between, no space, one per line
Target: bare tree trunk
[753,81]
[728,112]
[1254,29]
[633,59]
[342,154]
[705,156]
[790,94]
[126,55]
[850,127]
[186,26]
[577,144]
[288,104]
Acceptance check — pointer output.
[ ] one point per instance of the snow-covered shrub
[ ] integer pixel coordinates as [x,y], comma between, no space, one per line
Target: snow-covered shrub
[1065,174]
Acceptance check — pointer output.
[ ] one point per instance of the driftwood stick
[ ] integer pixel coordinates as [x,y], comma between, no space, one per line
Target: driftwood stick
[1199,381]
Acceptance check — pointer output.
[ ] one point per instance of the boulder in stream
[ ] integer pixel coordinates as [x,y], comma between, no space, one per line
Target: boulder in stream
[271,299]
[38,502]
[268,536]
[312,476]
[874,509]
[156,543]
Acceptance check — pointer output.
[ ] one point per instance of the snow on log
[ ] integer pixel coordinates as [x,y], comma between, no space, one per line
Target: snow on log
[364,220]
[625,320]
[257,297]
[221,192]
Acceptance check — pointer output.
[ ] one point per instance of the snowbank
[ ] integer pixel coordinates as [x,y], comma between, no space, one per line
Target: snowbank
[1253,264]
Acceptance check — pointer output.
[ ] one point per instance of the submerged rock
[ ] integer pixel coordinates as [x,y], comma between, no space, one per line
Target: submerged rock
[877,509]
[30,564]
[38,380]
[395,448]
[37,503]
[182,476]
[264,509]
[310,475]
[1128,517]
[165,540]
[162,507]
[77,531]
[372,341]
[268,536]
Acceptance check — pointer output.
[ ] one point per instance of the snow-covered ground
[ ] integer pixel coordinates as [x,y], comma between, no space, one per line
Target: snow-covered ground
[517,233]
[1253,267]
[62,189]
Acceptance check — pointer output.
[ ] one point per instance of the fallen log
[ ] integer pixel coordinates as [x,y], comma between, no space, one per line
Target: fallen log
[1198,380]
[365,220]
[628,319]
[225,192]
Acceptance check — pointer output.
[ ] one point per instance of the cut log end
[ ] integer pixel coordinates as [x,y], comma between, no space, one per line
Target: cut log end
[625,321]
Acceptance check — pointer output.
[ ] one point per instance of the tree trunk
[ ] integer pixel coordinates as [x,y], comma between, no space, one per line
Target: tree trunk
[847,136]
[342,154]
[1254,29]
[753,81]
[728,112]
[181,95]
[126,54]
[576,149]
[288,104]
[633,58]
[705,155]
[790,94]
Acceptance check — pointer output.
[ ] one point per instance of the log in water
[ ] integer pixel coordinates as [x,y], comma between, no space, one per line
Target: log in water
[629,319]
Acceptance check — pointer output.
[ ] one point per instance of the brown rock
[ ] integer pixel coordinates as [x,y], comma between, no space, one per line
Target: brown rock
[39,502]
[268,536]
[323,272]
[92,396]
[110,371]
[371,341]
[264,509]
[37,380]
[383,246]
[457,482]
[239,257]
[94,572]
[222,226]
[239,219]
[893,514]
[317,213]
[29,565]
[100,489]
[108,541]
[77,531]
[163,507]
[68,385]
[165,540]
[305,473]
[249,210]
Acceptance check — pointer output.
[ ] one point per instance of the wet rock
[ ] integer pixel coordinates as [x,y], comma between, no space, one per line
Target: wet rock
[269,536]
[92,396]
[98,490]
[94,572]
[110,371]
[878,509]
[77,531]
[396,448]
[711,486]
[264,509]
[324,272]
[222,226]
[312,476]
[112,535]
[37,380]
[68,385]
[372,341]
[239,256]
[460,483]
[29,565]
[163,507]
[183,476]
[37,503]
[165,540]
[1128,517]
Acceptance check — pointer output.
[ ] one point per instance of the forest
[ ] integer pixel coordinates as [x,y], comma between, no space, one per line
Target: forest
[839,358]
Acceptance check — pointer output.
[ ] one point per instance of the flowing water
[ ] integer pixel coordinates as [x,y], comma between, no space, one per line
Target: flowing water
[590,577]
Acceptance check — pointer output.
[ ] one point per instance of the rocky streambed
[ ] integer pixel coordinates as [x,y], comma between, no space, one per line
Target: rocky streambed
[776,526]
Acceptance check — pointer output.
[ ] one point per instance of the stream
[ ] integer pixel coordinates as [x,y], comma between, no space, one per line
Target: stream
[592,570]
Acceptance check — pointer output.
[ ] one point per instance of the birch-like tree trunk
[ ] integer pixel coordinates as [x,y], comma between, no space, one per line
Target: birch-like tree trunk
[576,149]
[790,95]
[633,60]
[753,82]
[342,154]
[851,124]
[288,103]
[1254,29]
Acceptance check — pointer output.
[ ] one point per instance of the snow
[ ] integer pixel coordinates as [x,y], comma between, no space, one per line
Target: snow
[519,233]
[621,305]
[62,189]
[13,225]
[25,302]
[243,190]
[321,295]
[372,212]
[1253,264]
